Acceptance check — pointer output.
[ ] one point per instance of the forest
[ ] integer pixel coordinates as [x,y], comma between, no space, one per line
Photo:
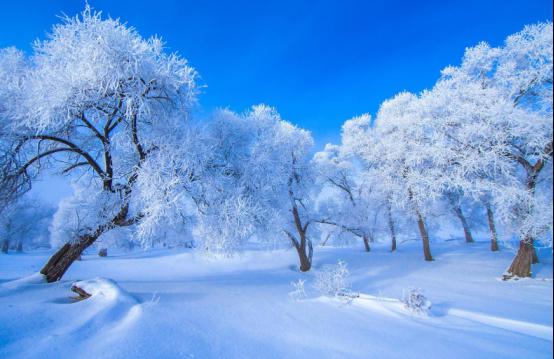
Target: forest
[115,113]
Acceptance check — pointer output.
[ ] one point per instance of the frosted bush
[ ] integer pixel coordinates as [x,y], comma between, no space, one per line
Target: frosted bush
[333,280]
[299,291]
[154,300]
[415,301]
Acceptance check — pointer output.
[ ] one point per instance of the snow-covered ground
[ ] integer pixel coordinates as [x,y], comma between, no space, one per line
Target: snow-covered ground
[178,304]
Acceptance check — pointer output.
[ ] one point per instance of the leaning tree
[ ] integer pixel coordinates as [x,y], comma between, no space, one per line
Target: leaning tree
[95,101]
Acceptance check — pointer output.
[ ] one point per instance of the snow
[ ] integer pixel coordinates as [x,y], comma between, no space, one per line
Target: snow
[177,303]
[35,278]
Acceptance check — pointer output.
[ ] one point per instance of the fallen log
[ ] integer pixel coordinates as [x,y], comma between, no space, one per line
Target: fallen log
[81,293]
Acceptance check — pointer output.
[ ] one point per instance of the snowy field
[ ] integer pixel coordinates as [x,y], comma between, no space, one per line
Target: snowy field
[178,304]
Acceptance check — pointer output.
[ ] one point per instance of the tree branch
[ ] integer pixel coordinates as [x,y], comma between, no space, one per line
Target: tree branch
[74,148]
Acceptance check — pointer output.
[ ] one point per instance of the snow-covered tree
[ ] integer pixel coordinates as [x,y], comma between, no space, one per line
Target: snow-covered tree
[403,155]
[98,101]
[348,202]
[12,69]
[359,138]
[498,120]
[264,171]
[250,176]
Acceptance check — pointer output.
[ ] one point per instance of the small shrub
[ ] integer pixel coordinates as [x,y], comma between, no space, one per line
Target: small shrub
[153,301]
[299,292]
[415,301]
[333,280]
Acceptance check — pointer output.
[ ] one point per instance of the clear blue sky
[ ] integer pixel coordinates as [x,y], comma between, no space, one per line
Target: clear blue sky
[319,63]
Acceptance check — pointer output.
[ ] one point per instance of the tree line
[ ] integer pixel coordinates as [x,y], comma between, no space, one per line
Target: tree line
[113,112]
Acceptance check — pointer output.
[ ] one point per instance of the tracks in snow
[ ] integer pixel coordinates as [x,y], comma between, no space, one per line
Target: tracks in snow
[395,308]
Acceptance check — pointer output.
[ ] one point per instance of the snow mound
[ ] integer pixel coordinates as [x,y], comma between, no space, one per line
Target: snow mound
[390,307]
[35,278]
[108,312]
[105,289]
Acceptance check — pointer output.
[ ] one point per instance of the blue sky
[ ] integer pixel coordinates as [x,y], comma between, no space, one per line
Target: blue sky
[319,63]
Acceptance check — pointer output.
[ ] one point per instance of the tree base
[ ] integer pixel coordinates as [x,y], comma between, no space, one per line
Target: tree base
[521,265]
[60,262]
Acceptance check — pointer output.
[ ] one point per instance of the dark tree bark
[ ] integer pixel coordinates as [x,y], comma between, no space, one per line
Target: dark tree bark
[60,262]
[303,246]
[521,265]
[81,293]
[467,231]
[326,239]
[305,258]
[422,229]
[366,243]
[535,257]
[424,236]
[392,228]
[5,245]
[492,228]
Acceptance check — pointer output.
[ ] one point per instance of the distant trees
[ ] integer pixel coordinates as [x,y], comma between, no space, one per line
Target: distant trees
[395,155]
[347,203]
[24,224]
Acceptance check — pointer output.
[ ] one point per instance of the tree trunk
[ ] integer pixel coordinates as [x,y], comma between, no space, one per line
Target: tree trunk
[462,218]
[305,252]
[19,247]
[492,228]
[325,240]
[304,246]
[5,245]
[366,243]
[535,257]
[521,265]
[531,187]
[305,260]
[424,236]
[60,262]
[391,228]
